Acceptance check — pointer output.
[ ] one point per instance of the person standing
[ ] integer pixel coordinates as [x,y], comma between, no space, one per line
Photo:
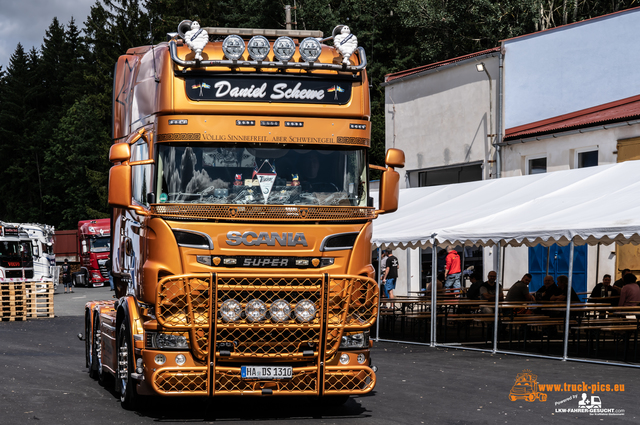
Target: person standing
[390,273]
[107,264]
[452,270]
[383,267]
[66,276]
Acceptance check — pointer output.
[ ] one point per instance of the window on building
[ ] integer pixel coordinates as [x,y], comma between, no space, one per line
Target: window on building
[537,165]
[587,159]
[450,175]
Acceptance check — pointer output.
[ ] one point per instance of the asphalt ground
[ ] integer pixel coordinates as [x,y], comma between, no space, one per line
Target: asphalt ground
[43,380]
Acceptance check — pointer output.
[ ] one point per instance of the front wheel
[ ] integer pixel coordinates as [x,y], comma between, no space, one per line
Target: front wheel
[127,385]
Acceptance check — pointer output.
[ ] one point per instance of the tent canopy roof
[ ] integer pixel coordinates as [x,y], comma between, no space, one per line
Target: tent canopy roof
[588,205]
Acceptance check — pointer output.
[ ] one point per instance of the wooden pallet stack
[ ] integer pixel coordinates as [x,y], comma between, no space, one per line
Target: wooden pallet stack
[14,301]
[39,299]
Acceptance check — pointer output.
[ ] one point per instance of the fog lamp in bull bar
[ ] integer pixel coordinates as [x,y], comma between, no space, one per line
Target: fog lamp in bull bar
[266,372]
[233,47]
[180,359]
[362,358]
[280,311]
[344,358]
[355,340]
[169,341]
[305,311]
[284,49]
[310,49]
[160,359]
[230,310]
[255,310]
[258,48]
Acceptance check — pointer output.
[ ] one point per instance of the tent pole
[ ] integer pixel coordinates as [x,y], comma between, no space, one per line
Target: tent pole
[597,262]
[462,285]
[434,288]
[409,252]
[498,291]
[566,319]
[379,280]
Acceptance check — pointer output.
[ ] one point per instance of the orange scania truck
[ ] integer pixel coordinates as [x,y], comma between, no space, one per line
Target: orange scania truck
[241,218]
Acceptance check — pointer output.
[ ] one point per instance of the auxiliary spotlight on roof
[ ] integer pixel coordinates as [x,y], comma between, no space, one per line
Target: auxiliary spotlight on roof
[284,48]
[258,48]
[233,47]
[310,49]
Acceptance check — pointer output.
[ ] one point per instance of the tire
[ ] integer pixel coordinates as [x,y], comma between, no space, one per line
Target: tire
[512,397]
[126,384]
[542,397]
[87,341]
[95,368]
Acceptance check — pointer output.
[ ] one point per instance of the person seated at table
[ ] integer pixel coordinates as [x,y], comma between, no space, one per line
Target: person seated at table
[519,291]
[630,293]
[473,293]
[439,285]
[618,284]
[547,289]
[488,291]
[561,292]
[602,289]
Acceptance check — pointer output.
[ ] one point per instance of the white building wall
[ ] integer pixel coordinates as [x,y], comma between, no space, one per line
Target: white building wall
[442,118]
[570,68]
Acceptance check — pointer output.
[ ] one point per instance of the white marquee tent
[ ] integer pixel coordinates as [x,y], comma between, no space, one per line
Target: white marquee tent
[588,205]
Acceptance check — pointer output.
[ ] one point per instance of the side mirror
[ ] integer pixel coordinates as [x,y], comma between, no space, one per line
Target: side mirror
[84,246]
[394,158]
[120,152]
[389,191]
[120,185]
[390,181]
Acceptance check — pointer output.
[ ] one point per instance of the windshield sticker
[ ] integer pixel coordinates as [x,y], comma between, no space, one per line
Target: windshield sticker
[163,197]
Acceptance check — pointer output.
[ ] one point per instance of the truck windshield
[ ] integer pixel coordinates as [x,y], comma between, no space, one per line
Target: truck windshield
[27,248]
[9,249]
[102,244]
[281,175]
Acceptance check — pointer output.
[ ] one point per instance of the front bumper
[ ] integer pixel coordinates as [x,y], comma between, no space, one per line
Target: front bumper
[188,305]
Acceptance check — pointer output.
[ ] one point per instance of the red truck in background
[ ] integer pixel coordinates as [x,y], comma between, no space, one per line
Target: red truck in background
[88,247]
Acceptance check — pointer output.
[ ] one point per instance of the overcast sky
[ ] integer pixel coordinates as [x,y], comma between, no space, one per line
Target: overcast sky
[25,21]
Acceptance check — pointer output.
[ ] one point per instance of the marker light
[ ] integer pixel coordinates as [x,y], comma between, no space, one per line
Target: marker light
[284,48]
[305,311]
[310,49]
[280,311]
[258,48]
[230,310]
[255,310]
[233,47]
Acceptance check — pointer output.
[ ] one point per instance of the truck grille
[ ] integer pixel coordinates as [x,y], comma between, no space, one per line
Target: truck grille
[103,269]
[14,274]
[343,303]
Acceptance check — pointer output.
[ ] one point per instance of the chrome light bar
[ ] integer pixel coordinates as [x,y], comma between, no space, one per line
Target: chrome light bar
[268,64]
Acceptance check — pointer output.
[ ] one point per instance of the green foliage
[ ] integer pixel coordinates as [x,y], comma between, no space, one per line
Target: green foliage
[55,102]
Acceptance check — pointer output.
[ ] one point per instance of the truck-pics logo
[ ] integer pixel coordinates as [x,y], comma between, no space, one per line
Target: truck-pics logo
[526,388]
[254,239]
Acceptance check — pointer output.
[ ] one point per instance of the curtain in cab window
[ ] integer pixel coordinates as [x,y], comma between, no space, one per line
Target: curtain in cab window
[141,174]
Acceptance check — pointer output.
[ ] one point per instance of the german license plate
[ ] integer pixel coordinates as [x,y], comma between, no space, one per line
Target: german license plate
[266,372]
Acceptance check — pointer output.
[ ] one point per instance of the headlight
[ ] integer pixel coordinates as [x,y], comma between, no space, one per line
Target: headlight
[255,310]
[305,311]
[280,311]
[230,310]
[355,340]
[165,341]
